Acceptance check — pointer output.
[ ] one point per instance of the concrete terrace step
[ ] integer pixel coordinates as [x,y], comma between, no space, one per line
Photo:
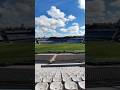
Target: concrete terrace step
[62,64]
[107,76]
[14,77]
[60,78]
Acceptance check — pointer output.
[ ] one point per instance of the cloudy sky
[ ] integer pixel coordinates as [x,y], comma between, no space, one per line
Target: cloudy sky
[102,11]
[16,12]
[59,18]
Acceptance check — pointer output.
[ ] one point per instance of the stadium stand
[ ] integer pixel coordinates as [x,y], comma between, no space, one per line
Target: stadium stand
[102,76]
[103,31]
[17,34]
[103,34]
[60,78]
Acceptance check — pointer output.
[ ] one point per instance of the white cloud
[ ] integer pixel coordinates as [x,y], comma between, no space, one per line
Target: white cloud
[73,30]
[57,19]
[60,23]
[71,18]
[38,32]
[63,30]
[57,22]
[75,24]
[42,21]
[56,13]
[82,33]
[51,23]
[81,4]
[82,30]
[82,27]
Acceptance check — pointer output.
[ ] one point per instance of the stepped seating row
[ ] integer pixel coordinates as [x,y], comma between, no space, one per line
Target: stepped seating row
[17,35]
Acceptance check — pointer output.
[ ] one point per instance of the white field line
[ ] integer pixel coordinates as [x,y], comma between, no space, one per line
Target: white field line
[53,58]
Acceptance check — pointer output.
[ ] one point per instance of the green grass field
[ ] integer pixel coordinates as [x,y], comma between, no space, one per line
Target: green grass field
[60,48]
[103,52]
[103,49]
[12,53]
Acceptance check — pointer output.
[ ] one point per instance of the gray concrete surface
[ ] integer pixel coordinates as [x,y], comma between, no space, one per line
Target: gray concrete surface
[60,58]
[103,88]
[17,77]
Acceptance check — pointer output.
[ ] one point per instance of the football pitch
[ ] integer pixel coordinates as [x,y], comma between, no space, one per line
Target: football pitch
[60,48]
[105,52]
[16,53]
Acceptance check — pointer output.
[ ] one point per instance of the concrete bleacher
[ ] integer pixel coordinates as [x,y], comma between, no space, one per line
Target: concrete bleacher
[60,75]
[102,76]
[102,31]
[59,78]
[100,34]
[17,34]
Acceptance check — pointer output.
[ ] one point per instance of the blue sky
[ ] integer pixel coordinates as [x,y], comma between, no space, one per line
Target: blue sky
[59,18]
[22,12]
